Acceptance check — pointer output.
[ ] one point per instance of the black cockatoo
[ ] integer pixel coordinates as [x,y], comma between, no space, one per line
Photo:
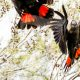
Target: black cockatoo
[27,8]
[68,39]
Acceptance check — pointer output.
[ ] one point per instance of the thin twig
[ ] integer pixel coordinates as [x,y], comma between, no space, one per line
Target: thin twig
[24,38]
[74,76]
[4,49]
[55,66]
[10,42]
[5,60]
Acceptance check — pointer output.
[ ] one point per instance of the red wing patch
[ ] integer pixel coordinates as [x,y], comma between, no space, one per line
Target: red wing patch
[27,17]
[43,10]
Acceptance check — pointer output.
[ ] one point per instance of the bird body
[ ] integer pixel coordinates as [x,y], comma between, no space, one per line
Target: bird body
[27,8]
[67,39]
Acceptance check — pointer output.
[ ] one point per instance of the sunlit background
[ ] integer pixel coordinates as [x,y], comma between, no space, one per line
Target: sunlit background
[33,54]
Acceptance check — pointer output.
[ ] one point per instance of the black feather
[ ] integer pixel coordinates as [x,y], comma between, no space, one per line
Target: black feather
[58,13]
[64,11]
[59,27]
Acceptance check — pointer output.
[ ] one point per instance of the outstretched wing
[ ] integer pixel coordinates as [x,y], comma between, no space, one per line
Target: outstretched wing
[60,30]
[38,21]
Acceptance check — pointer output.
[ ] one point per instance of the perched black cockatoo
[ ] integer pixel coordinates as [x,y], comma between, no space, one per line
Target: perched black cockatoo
[27,8]
[68,39]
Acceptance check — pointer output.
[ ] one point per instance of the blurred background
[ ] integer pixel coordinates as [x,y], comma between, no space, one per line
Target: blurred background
[33,55]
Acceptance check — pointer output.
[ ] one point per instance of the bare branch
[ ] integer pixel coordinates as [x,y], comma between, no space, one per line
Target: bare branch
[55,66]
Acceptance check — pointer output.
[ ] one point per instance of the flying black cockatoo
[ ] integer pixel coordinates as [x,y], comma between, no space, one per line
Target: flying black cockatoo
[32,11]
[67,39]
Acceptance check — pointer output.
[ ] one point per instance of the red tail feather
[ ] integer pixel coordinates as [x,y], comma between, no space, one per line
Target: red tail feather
[68,62]
[77,53]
